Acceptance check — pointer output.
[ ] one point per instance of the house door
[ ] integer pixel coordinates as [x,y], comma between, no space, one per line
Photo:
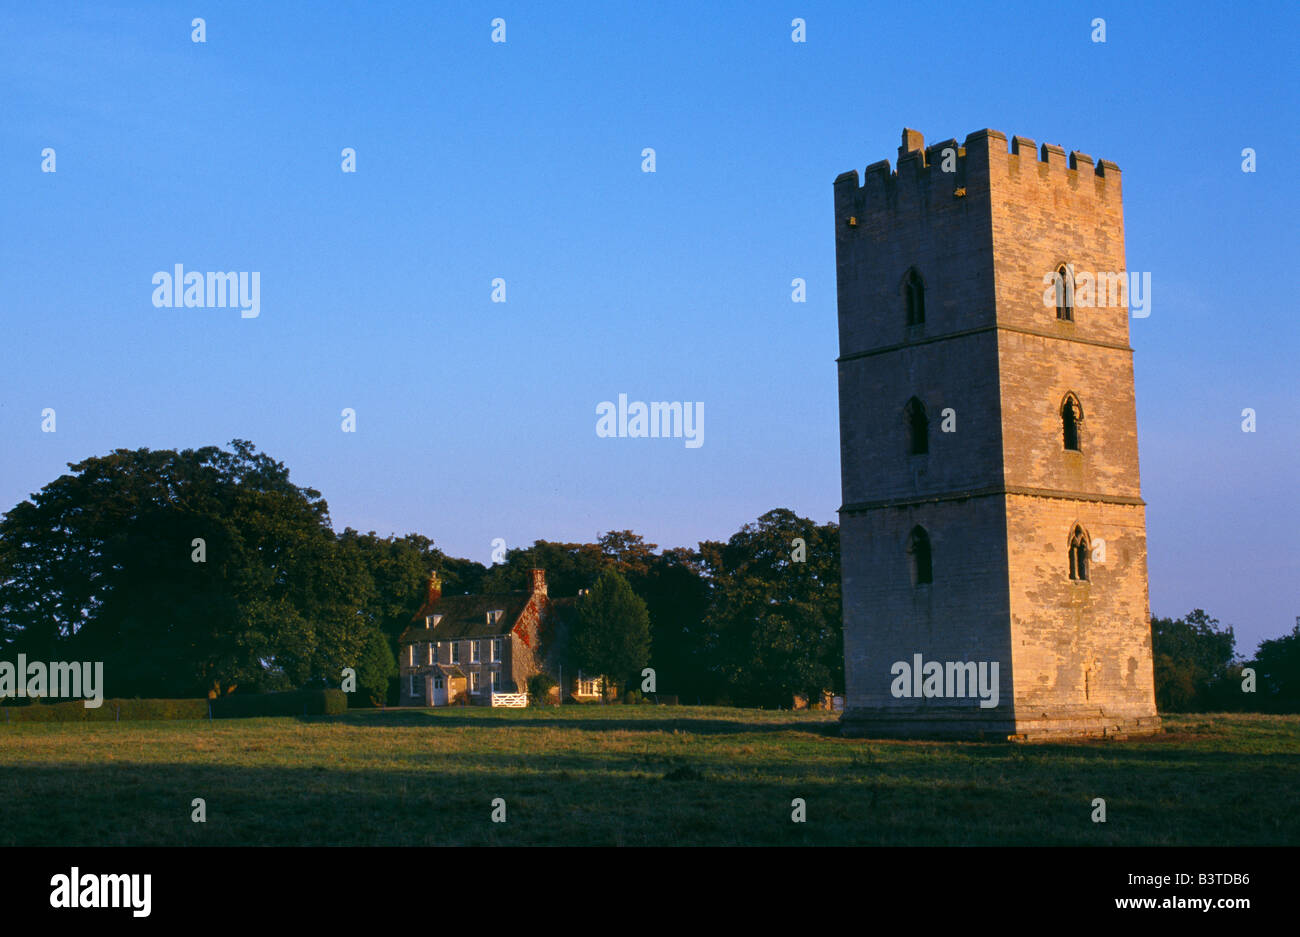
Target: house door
[439,690]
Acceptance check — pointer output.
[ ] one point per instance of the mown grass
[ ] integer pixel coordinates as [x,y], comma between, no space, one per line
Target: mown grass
[626,775]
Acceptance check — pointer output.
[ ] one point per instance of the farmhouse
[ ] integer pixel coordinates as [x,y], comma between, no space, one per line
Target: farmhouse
[482,649]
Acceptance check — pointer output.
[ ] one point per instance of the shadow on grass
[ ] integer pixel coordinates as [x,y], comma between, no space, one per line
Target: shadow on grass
[458,717]
[579,802]
[719,781]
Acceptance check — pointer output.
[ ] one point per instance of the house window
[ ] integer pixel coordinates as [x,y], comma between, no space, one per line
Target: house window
[1064,293]
[1079,554]
[496,649]
[914,297]
[410,655]
[430,647]
[437,681]
[474,651]
[431,621]
[586,685]
[918,427]
[496,681]
[473,681]
[411,680]
[455,652]
[494,616]
[1071,417]
[918,546]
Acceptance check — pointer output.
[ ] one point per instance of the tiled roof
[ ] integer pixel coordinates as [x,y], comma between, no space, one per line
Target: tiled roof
[465,616]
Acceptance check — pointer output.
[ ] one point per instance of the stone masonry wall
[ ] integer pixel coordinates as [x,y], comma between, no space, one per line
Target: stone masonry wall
[1000,496]
[1079,645]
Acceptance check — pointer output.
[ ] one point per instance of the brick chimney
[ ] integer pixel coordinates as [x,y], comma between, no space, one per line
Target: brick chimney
[538,581]
[432,588]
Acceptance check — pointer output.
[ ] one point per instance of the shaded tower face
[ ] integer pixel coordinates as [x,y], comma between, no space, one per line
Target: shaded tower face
[993,532]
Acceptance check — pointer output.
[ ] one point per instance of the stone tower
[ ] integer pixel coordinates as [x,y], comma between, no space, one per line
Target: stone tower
[993,531]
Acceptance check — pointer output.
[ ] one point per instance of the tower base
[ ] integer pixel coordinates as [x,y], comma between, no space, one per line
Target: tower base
[994,725]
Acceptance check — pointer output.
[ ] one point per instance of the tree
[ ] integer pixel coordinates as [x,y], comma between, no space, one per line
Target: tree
[1194,659]
[1277,667]
[375,669]
[184,572]
[677,596]
[569,567]
[611,634]
[774,627]
[628,553]
[399,568]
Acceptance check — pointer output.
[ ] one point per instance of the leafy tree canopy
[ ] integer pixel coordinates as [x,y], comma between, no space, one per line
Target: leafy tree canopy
[375,669]
[775,626]
[1194,660]
[1277,668]
[611,634]
[196,570]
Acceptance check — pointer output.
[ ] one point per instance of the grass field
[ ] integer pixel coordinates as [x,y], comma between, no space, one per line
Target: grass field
[629,775]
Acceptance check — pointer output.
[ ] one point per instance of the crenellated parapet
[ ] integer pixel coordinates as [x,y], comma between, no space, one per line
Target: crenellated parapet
[929,176]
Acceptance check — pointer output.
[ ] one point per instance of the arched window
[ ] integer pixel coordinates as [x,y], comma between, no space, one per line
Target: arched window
[1071,417]
[918,427]
[1064,293]
[1079,552]
[918,547]
[914,294]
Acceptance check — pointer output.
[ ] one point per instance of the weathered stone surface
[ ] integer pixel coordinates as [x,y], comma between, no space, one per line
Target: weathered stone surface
[1000,496]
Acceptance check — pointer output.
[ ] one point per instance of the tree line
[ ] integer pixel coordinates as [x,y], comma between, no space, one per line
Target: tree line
[207,571]
[1198,669]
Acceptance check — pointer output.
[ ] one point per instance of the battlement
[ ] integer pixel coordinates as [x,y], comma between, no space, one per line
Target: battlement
[953,170]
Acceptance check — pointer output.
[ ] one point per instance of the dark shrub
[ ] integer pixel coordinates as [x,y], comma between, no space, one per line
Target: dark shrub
[294,703]
[156,709]
[539,689]
[112,709]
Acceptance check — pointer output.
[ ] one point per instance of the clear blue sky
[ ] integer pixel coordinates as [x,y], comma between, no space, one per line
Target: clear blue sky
[522,160]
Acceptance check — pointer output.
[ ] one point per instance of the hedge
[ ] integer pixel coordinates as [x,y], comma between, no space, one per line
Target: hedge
[112,709]
[294,703]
